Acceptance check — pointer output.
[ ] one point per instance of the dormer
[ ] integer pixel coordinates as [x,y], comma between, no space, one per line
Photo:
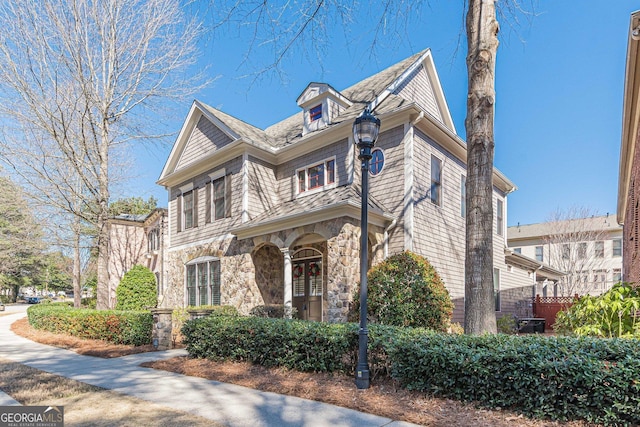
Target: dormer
[321,104]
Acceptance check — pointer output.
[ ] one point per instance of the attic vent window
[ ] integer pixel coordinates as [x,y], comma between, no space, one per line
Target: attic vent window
[315,113]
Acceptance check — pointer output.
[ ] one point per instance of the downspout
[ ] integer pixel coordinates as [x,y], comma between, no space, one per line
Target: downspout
[386,237]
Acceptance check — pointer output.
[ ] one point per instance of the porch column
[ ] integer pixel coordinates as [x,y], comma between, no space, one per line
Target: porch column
[288,292]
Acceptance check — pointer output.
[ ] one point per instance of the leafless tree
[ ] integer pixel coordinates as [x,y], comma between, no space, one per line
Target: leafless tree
[573,237]
[79,78]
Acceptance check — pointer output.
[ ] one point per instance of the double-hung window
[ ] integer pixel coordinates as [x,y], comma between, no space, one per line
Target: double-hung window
[599,249]
[617,247]
[436,181]
[499,217]
[463,196]
[317,176]
[188,209]
[539,253]
[203,281]
[219,206]
[153,238]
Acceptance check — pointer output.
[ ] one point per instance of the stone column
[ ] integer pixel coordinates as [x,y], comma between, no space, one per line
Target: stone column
[288,291]
[162,328]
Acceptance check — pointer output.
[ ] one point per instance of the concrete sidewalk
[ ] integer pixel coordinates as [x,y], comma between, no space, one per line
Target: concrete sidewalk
[227,404]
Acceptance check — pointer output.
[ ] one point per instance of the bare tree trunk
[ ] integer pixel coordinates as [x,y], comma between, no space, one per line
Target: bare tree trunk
[482,40]
[77,270]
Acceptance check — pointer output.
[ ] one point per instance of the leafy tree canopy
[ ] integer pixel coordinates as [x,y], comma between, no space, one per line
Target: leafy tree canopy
[133,206]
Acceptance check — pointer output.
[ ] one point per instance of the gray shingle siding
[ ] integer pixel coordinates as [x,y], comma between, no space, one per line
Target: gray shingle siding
[388,186]
[205,138]
[286,172]
[262,187]
[216,227]
[418,88]
[439,230]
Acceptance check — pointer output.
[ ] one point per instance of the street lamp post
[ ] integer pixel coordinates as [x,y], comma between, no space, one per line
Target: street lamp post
[365,133]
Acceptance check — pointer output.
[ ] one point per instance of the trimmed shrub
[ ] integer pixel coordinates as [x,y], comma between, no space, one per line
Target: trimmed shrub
[276,311]
[119,327]
[293,344]
[543,377]
[612,314]
[137,290]
[561,378]
[405,290]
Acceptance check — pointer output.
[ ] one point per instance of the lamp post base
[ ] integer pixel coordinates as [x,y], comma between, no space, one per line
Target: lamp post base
[362,378]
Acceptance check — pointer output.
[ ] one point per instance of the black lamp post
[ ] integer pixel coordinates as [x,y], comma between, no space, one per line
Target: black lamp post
[365,133]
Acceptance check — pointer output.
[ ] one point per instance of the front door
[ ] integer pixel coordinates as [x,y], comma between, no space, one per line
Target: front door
[307,287]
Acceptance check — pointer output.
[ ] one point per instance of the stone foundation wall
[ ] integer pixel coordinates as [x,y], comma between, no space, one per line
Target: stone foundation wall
[252,269]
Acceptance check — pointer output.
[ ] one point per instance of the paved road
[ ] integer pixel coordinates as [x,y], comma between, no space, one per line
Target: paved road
[228,404]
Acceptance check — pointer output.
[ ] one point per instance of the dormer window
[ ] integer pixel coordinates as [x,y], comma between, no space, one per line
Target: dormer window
[321,104]
[317,176]
[315,113]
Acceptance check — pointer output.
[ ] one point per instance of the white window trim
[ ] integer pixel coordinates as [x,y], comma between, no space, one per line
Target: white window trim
[325,186]
[217,174]
[441,181]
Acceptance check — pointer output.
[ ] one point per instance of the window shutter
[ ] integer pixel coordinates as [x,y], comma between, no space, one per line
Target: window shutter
[179,213]
[195,207]
[227,195]
[207,208]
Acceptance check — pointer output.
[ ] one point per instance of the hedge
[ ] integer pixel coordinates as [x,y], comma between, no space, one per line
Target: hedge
[118,327]
[561,378]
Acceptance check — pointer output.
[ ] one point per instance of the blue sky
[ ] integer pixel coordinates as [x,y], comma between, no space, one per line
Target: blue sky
[559,87]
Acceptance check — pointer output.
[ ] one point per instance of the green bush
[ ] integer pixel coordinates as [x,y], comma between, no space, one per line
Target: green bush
[544,377]
[137,290]
[612,314]
[119,327]
[507,324]
[294,344]
[561,378]
[276,311]
[405,290]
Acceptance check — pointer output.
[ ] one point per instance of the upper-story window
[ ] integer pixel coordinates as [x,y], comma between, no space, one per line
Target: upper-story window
[153,238]
[517,250]
[599,249]
[539,254]
[463,196]
[317,176]
[617,247]
[436,180]
[219,209]
[566,251]
[377,162]
[188,209]
[499,217]
[315,113]
[582,250]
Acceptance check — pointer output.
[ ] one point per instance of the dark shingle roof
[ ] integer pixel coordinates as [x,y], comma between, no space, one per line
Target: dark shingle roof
[316,202]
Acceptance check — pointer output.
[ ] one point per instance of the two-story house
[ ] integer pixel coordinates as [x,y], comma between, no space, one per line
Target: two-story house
[589,250]
[273,216]
[135,240]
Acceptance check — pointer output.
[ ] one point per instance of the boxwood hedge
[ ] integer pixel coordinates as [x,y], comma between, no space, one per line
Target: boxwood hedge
[561,378]
[119,327]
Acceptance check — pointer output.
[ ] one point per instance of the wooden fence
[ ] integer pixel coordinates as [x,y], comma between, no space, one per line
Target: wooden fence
[548,308]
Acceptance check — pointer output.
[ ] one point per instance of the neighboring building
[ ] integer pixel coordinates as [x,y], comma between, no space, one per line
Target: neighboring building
[273,216]
[629,177]
[589,250]
[136,240]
